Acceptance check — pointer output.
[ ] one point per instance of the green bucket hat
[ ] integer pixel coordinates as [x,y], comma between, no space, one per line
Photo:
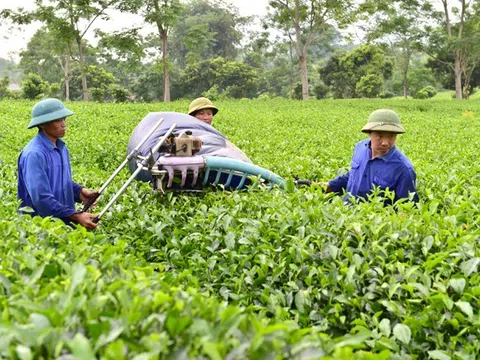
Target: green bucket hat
[201,103]
[384,120]
[48,110]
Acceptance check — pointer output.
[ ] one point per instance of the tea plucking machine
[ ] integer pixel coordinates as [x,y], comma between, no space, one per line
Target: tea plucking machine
[174,164]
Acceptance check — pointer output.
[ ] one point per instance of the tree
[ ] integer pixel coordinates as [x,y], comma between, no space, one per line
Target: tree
[164,14]
[419,77]
[425,93]
[321,90]
[303,20]
[5,92]
[369,85]
[229,78]
[275,60]
[208,29]
[457,37]
[98,78]
[47,56]
[65,19]
[401,24]
[441,66]
[33,86]
[354,74]
[10,69]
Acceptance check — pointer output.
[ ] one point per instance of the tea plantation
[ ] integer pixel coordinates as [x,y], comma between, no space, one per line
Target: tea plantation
[256,274]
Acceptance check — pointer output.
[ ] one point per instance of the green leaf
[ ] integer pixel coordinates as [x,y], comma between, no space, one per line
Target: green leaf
[470,266]
[438,355]
[80,347]
[402,333]
[300,301]
[23,352]
[78,274]
[385,327]
[211,350]
[466,308]
[457,285]
[353,340]
[40,321]
[230,240]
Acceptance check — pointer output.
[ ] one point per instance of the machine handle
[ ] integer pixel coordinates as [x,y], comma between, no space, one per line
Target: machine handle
[302,182]
[90,202]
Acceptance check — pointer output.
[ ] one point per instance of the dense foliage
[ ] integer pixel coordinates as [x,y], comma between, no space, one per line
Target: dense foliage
[256,274]
[204,47]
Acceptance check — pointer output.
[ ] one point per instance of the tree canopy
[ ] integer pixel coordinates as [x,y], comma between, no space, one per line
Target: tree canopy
[205,47]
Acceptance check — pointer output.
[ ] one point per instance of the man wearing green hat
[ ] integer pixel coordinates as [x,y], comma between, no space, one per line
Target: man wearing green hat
[44,173]
[377,162]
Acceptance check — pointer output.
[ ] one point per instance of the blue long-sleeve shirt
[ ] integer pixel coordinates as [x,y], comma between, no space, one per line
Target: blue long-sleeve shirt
[45,178]
[392,170]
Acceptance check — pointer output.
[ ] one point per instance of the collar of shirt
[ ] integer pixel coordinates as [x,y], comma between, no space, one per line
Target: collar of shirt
[48,144]
[388,156]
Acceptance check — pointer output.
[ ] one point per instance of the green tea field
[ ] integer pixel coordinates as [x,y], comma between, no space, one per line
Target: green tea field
[256,274]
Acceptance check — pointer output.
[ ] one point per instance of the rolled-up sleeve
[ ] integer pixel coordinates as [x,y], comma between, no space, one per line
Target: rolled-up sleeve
[39,190]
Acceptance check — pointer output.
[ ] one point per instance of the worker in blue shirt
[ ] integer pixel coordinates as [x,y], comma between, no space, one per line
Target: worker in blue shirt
[377,162]
[44,173]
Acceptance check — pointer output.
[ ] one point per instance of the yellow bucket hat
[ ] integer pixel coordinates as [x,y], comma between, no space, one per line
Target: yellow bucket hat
[201,103]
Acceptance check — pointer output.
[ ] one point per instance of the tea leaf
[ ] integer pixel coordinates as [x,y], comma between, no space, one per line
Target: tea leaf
[402,333]
[438,355]
[466,308]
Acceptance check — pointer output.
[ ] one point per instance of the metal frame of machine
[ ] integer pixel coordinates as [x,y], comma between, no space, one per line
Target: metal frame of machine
[179,157]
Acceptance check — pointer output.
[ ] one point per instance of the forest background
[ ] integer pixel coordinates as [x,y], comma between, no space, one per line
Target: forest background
[299,49]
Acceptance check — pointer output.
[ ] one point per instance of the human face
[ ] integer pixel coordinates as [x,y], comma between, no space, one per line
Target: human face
[54,129]
[205,115]
[381,142]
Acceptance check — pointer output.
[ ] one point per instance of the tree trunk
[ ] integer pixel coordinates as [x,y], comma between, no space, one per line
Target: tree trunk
[405,72]
[302,52]
[458,76]
[67,77]
[292,70]
[166,80]
[304,75]
[82,69]
[467,76]
[67,71]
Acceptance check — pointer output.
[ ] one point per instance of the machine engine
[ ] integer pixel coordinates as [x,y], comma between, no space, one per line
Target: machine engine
[184,144]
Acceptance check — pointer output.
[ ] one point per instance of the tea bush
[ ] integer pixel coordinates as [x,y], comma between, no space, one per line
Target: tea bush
[256,274]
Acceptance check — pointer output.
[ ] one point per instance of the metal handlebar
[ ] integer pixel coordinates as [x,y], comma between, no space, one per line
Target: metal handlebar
[132,153]
[144,163]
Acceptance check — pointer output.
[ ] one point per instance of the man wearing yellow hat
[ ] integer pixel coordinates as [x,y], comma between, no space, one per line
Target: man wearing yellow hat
[44,174]
[377,162]
[203,109]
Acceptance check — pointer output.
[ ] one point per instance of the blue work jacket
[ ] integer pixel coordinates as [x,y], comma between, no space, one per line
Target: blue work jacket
[45,178]
[392,170]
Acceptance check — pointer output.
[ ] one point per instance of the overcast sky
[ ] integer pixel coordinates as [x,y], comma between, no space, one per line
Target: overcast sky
[12,42]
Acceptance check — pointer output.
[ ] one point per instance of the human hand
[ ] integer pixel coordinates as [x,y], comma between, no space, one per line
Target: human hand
[88,195]
[85,219]
[323,185]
